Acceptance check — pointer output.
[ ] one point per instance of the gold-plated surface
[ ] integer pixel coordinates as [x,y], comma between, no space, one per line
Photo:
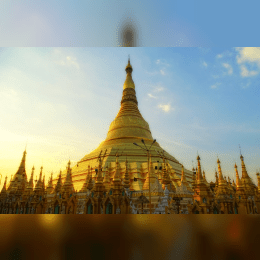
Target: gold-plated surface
[127,128]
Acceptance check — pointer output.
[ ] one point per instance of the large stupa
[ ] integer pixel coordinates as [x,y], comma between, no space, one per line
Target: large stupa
[127,128]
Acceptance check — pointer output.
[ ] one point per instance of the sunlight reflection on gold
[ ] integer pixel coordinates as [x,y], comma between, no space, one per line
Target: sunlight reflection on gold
[50,221]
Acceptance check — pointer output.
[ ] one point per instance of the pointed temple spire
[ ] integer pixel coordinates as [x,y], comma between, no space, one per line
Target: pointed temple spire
[4,187]
[58,184]
[106,180]
[244,171]
[39,182]
[229,181]
[126,177]
[193,178]
[21,169]
[88,183]
[90,180]
[238,181]
[220,177]
[43,182]
[30,183]
[50,185]
[199,175]
[216,175]
[19,180]
[129,83]
[165,176]
[68,184]
[117,174]
[129,120]
[204,177]
[183,178]
[152,177]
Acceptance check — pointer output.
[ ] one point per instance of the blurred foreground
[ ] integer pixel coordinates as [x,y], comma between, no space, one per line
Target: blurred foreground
[128,237]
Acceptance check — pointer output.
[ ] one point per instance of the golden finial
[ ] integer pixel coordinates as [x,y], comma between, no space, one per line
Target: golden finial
[128,67]
[198,158]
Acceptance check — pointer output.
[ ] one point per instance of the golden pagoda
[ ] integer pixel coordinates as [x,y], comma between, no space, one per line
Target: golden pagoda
[127,128]
[19,181]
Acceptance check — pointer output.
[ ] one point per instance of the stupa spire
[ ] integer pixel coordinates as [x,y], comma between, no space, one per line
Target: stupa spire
[43,182]
[30,184]
[106,180]
[39,182]
[58,184]
[50,185]
[183,178]
[244,171]
[199,175]
[238,181]
[21,169]
[4,186]
[220,178]
[117,174]
[216,175]
[129,120]
[90,182]
[68,185]
[129,83]
[126,178]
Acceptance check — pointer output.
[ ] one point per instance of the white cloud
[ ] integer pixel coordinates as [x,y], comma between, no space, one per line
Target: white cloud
[224,54]
[151,96]
[68,61]
[162,62]
[215,85]
[162,72]
[246,73]
[215,76]
[219,56]
[165,108]
[158,89]
[205,64]
[246,85]
[248,54]
[228,67]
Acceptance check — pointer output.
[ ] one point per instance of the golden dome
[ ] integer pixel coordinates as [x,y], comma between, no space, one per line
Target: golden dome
[127,128]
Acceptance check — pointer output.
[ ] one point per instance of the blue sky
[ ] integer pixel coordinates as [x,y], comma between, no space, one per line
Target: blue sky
[61,101]
[159,23]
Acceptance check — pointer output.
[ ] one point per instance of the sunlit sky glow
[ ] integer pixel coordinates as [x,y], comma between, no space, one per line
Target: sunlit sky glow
[61,101]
